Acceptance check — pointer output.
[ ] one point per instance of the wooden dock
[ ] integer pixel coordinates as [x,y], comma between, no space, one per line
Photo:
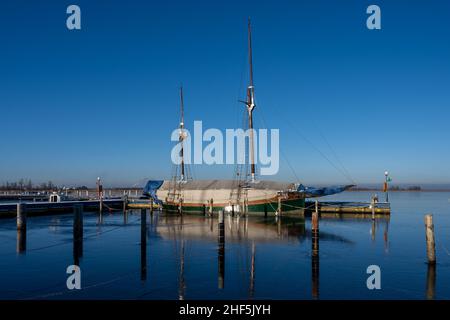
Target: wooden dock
[380,208]
[141,204]
[22,197]
[37,208]
[9,210]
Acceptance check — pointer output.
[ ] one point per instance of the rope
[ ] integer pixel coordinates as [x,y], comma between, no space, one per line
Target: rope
[320,152]
[336,156]
[111,209]
[281,150]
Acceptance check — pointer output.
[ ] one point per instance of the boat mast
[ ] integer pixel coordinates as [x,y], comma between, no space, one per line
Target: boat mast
[251,103]
[182,134]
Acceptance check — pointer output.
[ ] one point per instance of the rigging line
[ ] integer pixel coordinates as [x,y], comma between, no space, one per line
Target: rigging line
[240,90]
[289,165]
[333,152]
[281,150]
[319,151]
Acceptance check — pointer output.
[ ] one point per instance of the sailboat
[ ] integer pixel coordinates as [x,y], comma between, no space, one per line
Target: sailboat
[244,193]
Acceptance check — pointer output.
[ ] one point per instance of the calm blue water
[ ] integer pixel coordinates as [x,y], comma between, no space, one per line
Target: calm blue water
[263,259]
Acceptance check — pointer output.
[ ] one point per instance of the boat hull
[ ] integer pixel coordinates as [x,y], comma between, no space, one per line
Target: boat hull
[270,207]
[210,196]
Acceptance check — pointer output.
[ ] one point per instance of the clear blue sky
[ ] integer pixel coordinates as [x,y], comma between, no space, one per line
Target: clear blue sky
[104,100]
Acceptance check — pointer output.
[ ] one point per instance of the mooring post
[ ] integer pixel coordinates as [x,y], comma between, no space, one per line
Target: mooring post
[265,210]
[77,233]
[221,217]
[315,231]
[232,210]
[125,203]
[211,206]
[372,205]
[21,229]
[315,219]
[180,207]
[21,217]
[143,244]
[221,250]
[279,205]
[151,206]
[204,209]
[429,234]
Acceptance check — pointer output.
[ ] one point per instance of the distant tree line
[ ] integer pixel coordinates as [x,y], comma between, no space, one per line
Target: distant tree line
[27,185]
[391,188]
[411,188]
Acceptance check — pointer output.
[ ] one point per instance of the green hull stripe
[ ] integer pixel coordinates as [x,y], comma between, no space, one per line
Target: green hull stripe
[271,207]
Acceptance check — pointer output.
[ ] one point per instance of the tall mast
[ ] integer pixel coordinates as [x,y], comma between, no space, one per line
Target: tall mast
[251,103]
[181,135]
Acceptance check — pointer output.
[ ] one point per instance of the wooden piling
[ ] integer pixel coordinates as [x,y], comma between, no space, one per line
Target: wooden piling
[315,251]
[265,210]
[125,202]
[279,205]
[315,218]
[429,234]
[180,206]
[372,205]
[21,217]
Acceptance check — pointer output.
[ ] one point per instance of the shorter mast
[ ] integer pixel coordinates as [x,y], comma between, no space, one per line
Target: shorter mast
[182,135]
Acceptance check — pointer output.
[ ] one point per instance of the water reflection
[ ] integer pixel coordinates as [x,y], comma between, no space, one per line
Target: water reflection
[221,255]
[431,281]
[21,241]
[143,244]
[385,235]
[237,229]
[77,235]
[182,283]
[315,254]
[252,272]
